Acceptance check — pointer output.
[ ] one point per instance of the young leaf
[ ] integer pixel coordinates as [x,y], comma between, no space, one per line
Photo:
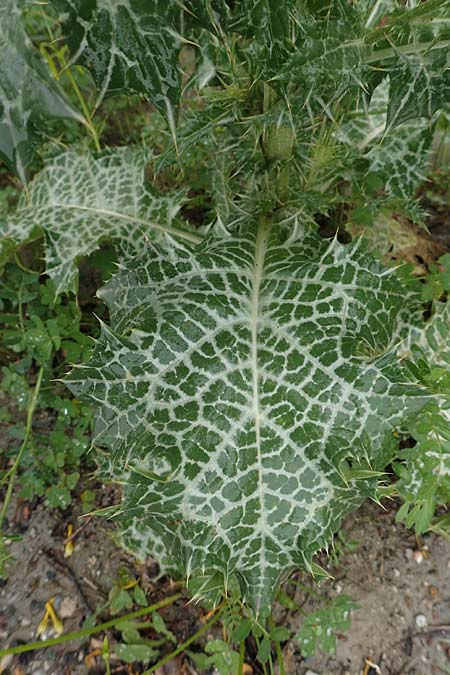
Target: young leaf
[245,371]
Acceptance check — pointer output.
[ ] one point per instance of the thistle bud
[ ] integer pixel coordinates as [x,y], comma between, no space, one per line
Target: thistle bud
[278,142]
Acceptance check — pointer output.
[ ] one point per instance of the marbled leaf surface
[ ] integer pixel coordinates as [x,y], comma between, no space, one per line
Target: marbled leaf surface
[237,388]
[28,93]
[128,45]
[78,201]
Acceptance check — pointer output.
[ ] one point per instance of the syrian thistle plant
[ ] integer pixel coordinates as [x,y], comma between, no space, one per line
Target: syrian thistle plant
[253,373]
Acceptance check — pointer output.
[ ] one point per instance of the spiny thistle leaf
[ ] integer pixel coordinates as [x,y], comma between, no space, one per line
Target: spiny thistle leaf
[420,85]
[78,201]
[237,384]
[128,46]
[398,156]
[28,93]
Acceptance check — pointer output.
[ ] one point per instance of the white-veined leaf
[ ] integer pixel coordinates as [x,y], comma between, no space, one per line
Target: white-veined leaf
[399,156]
[28,93]
[247,373]
[128,45]
[78,201]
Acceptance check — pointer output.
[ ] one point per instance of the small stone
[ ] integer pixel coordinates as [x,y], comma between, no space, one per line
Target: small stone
[421,620]
[68,607]
[311,672]
[25,622]
[418,557]
[396,573]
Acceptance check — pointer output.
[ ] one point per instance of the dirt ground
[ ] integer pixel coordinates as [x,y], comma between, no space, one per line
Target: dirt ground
[403,590]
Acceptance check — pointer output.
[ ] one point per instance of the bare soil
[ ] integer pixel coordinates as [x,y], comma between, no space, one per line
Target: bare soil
[402,587]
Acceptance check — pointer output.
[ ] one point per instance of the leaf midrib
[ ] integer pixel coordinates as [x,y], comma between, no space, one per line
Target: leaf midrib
[258,269]
[188,236]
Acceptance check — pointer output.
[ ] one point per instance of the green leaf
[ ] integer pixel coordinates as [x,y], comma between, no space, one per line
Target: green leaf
[222,656]
[264,650]
[28,93]
[58,496]
[280,634]
[38,342]
[242,630]
[78,201]
[132,653]
[320,627]
[121,600]
[245,371]
[161,628]
[130,633]
[127,46]
[139,596]
[424,470]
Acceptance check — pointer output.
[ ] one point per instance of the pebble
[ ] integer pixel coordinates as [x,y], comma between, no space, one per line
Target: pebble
[418,557]
[396,573]
[68,607]
[311,672]
[421,620]
[25,622]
